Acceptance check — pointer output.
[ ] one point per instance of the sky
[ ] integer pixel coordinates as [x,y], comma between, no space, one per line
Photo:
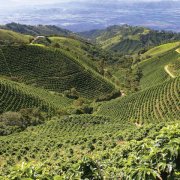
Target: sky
[35,2]
[13,5]
[91,14]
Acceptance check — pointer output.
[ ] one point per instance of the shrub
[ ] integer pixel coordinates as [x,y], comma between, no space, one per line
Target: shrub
[72,93]
[18,121]
[115,94]
[89,169]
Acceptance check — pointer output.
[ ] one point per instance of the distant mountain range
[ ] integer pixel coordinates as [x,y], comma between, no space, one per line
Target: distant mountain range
[45,30]
[127,39]
[124,39]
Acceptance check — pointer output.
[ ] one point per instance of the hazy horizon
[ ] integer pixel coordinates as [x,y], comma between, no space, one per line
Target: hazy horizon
[83,15]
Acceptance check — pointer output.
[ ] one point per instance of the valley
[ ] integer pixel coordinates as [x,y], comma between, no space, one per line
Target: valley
[100,104]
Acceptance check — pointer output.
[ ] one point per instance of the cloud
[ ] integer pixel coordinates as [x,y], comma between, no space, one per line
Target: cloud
[20,3]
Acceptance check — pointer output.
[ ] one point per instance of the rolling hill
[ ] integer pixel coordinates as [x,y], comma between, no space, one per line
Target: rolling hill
[8,36]
[161,49]
[44,30]
[127,39]
[63,145]
[16,96]
[158,103]
[154,68]
[88,132]
[53,69]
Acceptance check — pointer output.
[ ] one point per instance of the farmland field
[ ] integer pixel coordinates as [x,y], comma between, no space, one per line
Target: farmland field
[106,107]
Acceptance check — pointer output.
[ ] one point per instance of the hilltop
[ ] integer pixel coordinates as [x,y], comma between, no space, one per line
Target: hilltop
[45,30]
[53,69]
[127,39]
[9,37]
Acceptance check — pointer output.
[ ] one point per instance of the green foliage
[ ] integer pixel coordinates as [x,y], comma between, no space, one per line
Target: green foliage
[153,104]
[89,169]
[72,93]
[11,122]
[161,49]
[174,67]
[52,69]
[42,40]
[16,96]
[8,37]
[115,94]
[153,69]
[130,137]
[36,30]
[128,40]
[155,156]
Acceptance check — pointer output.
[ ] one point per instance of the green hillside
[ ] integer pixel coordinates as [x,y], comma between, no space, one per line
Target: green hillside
[80,147]
[153,69]
[7,36]
[161,49]
[77,48]
[174,68]
[15,96]
[72,109]
[127,39]
[52,69]
[45,30]
[158,103]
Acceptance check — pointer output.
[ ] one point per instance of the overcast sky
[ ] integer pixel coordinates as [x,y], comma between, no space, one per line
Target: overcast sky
[23,2]
[13,4]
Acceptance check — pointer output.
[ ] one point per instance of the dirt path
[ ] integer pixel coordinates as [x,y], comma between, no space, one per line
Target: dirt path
[167,70]
[178,50]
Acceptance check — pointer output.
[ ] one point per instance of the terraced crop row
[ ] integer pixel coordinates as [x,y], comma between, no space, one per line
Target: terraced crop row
[53,70]
[161,49]
[59,144]
[76,49]
[157,103]
[153,69]
[55,137]
[15,96]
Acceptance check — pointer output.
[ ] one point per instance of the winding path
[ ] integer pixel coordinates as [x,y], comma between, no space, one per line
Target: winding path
[167,70]
[178,50]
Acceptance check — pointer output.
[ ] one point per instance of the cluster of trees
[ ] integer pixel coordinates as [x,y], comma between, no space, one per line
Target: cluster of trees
[11,122]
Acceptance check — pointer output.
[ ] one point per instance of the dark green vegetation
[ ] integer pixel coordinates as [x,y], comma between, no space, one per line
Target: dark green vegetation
[153,69]
[16,96]
[11,122]
[85,147]
[72,110]
[127,39]
[36,30]
[8,37]
[53,69]
[151,105]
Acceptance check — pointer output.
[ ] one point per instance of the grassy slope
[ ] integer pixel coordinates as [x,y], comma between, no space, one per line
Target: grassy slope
[157,103]
[36,30]
[121,39]
[7,35]
[127,39]
[161,49]
[174,68]
[61,145]
[77,49]
[53,69]
[56,70]
[15,96]
[160,93]
[154,68]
